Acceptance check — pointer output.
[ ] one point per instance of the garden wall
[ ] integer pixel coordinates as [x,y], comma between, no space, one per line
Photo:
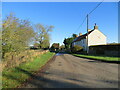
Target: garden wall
[12,59]
[108,50]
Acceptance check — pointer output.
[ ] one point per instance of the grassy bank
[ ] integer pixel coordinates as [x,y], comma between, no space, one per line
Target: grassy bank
[15,76]
[103,58]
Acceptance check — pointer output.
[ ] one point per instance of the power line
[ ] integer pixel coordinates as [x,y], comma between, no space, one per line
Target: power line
[88,14]
[88,23]
[96,7]
[79,26]
[81,23]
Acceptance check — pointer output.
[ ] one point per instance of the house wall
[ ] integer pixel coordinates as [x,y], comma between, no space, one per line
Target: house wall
[81,43]
[96,38]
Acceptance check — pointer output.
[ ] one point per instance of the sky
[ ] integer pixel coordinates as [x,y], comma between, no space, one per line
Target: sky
[66,17]
[59,0]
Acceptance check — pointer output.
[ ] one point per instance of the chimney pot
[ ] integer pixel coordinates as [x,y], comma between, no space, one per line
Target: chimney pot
[95,27]
[80,34]
[76,35]
[89,30]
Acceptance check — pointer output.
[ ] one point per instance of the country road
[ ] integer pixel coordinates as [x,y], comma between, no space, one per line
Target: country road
[67,71]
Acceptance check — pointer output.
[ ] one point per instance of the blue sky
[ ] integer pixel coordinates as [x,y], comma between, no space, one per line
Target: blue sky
[59,0]
[67,17]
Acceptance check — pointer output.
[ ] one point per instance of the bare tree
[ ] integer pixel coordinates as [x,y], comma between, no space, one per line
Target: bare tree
[43,35]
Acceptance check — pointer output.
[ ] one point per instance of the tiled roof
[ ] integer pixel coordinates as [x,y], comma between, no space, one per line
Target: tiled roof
[82,36]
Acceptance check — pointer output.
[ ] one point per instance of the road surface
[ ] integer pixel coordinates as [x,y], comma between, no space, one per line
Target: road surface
[67,71]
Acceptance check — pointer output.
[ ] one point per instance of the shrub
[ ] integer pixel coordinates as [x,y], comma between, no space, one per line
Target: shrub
[76,48]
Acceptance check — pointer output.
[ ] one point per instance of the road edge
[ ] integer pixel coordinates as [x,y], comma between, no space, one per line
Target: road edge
[43,68]
[117,62]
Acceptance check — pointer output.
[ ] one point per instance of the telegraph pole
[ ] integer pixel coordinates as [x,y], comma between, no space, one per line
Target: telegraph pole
[87,33]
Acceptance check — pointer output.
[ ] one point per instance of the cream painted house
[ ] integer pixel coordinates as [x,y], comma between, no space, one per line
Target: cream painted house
[95,37]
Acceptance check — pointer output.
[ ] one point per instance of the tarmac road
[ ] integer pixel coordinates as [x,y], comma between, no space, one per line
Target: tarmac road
[67,71]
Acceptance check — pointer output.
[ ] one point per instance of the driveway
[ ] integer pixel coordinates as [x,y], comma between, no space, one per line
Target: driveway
[67,71]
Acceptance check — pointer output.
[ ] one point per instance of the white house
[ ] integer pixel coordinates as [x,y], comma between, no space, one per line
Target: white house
[95,37]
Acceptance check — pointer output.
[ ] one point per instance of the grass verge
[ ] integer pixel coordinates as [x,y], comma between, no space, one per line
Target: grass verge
[102,58]
[16,76]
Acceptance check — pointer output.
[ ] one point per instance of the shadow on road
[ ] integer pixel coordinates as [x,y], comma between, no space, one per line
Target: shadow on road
[38,81]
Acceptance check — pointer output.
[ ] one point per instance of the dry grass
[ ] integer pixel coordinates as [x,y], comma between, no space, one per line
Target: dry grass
[14,59]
